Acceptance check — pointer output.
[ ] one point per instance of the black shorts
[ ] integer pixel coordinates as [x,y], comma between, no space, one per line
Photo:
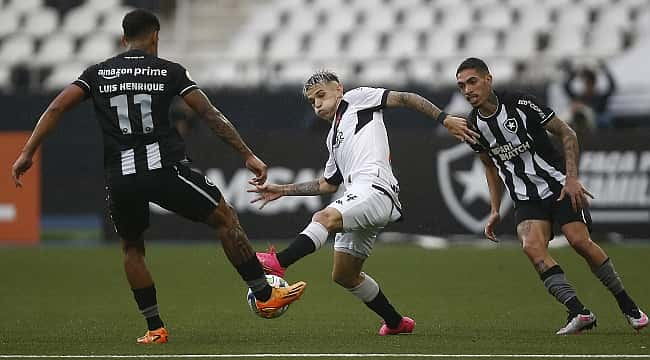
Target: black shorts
[177,188]
[558,213]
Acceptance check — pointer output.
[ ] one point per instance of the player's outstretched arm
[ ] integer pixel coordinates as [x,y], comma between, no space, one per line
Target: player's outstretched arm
[269,192]
[496,192]
[572,186]
[455,125]
[217,121]
[67,99]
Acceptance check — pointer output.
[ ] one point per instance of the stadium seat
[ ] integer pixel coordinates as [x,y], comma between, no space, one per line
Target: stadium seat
[97,47]
[80,21]
[604,41]
[520,44]
[441,44]
[565,43]
[576,16]
[533,17]
[378,19]
[285,46]
[41,22]
[302,20]
[16,49]
[419,19]
[112,20]
[23,6]
[341,21]
[9,22]
[422,71]
[293,73]
[447,71]
[496,18]
[481,43]
[363,45]
[502,70]
[403,44]
[614,16]
[62,75]
[324,45]
[456,18]
[55,49]
[103,5]
[245,46]
[264,20]
[383,73]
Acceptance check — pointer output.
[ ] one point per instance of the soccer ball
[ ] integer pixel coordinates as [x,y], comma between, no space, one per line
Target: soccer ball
[274,281]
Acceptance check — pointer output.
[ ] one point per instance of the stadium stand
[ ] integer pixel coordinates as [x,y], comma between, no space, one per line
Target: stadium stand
[252,43]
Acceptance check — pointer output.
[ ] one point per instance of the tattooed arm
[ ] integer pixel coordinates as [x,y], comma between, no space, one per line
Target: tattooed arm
[221,126]
[572,187]
[269,192]
[455,125]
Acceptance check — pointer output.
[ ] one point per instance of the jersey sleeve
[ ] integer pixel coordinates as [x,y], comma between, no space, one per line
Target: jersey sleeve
[332,174]
[534,109]
[86,80]
[183,82]
[367,97]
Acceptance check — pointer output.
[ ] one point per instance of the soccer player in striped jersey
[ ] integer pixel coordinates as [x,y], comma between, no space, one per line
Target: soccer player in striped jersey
[359,157]
[144,158]
[516,151]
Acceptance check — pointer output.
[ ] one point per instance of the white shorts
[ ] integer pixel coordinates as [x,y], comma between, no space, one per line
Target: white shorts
[365,211]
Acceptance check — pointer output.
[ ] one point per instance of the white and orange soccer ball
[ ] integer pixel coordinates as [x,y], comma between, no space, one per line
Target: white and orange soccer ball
[274,281]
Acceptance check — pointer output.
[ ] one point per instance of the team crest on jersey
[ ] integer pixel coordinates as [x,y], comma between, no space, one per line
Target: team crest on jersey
[511,125]
[461,177]
[209,182]
[339,139]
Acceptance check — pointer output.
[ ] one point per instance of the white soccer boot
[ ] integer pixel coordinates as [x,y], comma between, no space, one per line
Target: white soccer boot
[578,322]
[637,323]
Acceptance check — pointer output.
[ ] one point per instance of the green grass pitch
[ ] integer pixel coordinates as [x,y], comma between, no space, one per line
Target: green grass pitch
[75,301]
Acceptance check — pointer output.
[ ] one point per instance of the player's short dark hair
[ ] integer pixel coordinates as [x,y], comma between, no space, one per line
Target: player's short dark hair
[139,22]
[473,63]
[319,77]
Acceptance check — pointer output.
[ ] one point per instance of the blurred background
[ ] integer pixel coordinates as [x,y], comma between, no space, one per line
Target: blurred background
[587,59]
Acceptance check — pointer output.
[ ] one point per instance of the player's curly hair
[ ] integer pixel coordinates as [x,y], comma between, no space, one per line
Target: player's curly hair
[139,22]
[319,77]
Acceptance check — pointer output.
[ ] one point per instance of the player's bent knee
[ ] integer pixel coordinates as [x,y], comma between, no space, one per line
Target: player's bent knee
[329,218]
[223,216]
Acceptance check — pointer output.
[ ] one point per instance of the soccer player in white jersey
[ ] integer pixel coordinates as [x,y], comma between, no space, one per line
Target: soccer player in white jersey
[359,157]
[516,151]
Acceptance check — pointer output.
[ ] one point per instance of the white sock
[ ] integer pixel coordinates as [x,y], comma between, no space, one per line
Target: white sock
[367,290]
[317,233]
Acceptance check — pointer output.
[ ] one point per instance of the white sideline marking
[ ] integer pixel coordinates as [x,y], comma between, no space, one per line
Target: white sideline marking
[233,356]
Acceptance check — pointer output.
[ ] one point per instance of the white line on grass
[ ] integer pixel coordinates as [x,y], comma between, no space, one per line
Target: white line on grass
[234,356]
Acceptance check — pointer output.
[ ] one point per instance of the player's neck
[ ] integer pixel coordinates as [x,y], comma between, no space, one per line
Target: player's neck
[147,48]
[489,107]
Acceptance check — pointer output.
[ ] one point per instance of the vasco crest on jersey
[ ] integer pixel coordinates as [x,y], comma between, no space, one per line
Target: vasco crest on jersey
[339,139]
[511,125]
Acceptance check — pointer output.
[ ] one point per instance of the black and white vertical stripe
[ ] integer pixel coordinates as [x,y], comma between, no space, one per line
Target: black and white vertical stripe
[148,158]
[528,176]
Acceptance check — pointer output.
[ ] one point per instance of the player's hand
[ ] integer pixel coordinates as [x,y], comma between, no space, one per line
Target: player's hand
[22,164]
[266,193]
[258,167]
[493,220]
[576,192]
[458,128]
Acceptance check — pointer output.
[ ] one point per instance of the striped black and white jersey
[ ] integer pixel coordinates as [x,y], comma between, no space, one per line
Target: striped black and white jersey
[516,141]
[132,93]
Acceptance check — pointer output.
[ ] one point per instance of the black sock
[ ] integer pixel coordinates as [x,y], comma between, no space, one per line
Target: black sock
[253,274]
[575,306]
[299,248]
[627,305]
[148,305]
[383,308]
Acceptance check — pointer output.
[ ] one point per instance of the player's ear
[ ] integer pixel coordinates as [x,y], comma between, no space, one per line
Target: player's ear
[488,78]
[124,42]
[154,37]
